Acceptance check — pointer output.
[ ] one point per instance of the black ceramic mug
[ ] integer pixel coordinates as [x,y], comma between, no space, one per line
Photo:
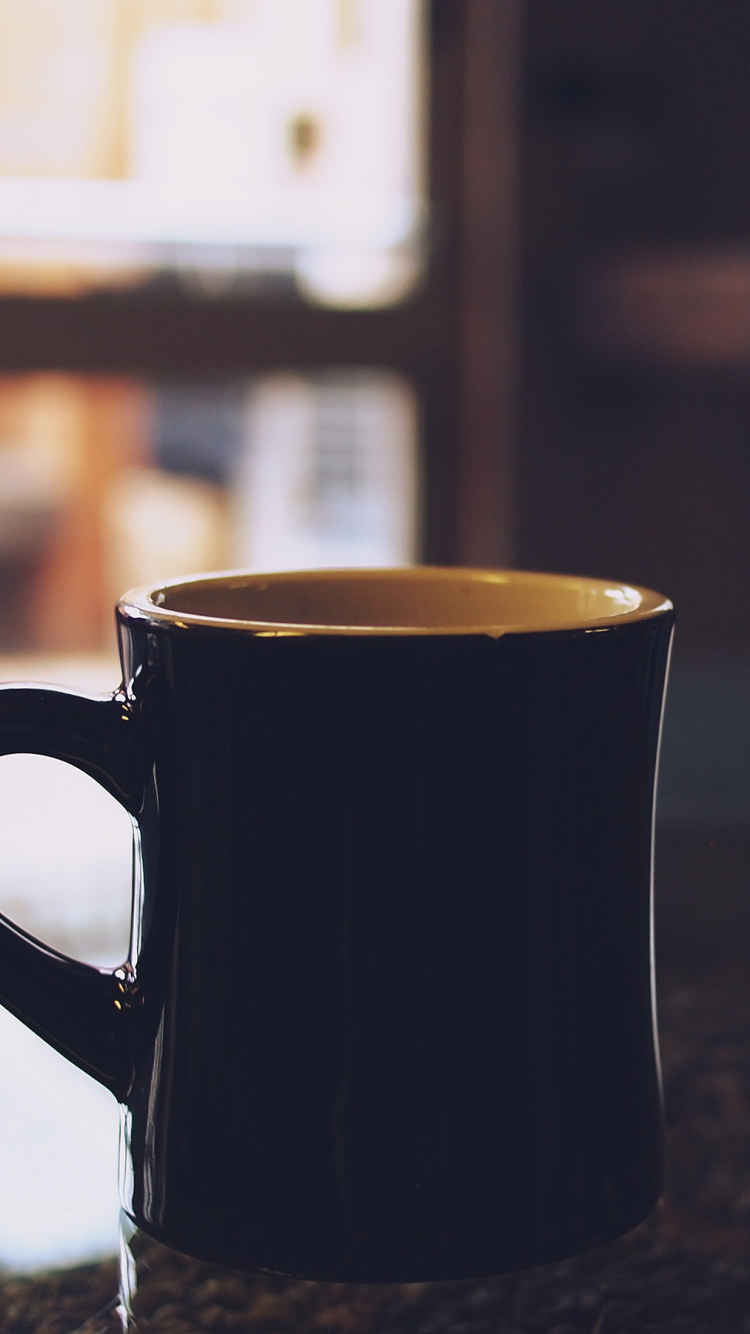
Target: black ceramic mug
[388,1010]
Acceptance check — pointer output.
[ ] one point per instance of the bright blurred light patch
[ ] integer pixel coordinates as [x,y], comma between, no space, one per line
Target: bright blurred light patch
[137,131]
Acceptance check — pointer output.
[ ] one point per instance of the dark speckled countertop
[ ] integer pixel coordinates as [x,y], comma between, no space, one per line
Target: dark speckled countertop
[687,1271]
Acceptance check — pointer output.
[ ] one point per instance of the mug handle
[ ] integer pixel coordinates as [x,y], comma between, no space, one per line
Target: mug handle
[86,1013]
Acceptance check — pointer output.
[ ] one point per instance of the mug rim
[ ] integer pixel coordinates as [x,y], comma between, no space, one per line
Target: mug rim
[630,602]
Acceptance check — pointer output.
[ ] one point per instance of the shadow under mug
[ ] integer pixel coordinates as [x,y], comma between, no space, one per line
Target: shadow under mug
[387,1014]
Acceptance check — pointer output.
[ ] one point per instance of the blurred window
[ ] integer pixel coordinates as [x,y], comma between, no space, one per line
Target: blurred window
[107,483]
[223,144]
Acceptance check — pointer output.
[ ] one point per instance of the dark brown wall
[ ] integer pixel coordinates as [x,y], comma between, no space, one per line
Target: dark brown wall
[636,134]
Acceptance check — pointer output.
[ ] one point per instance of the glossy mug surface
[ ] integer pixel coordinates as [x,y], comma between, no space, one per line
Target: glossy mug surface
[388,1011]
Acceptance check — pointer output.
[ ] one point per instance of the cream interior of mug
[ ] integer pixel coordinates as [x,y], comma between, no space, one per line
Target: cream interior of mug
[414,600]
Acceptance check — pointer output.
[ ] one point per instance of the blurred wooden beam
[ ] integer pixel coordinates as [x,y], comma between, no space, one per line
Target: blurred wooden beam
[160,336]
[488,262]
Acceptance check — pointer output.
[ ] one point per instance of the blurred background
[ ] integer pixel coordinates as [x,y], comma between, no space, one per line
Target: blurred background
[290,283]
